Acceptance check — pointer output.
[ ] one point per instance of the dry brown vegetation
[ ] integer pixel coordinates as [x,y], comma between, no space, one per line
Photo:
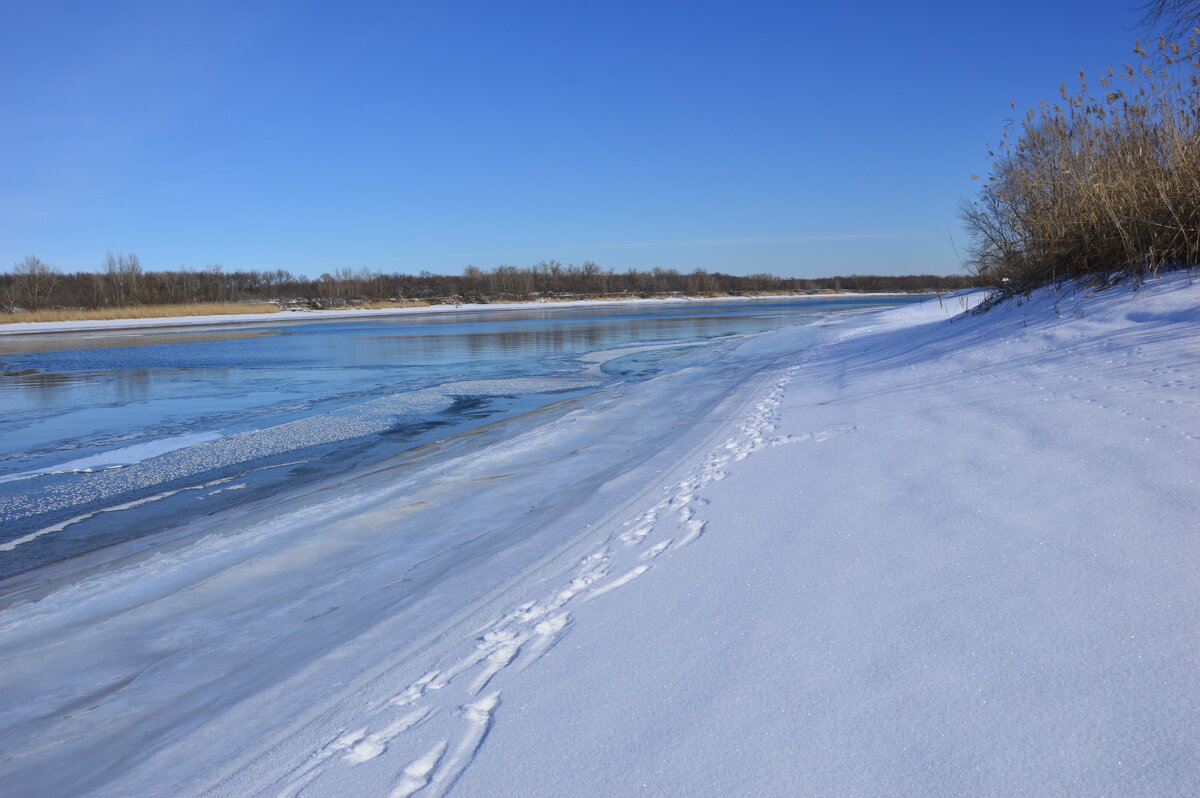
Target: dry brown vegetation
[1105,183]
[381,304]
[141,312]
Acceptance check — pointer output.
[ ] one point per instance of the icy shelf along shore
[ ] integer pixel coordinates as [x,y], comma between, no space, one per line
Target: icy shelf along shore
[907,551]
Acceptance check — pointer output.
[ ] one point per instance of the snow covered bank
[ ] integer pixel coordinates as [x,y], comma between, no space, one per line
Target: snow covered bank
[926,556]
[958,558]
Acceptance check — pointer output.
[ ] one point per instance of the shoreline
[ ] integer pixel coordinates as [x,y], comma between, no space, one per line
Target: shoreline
[92,325]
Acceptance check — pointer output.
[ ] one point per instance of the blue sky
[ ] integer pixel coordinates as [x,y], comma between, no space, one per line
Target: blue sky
[802,139]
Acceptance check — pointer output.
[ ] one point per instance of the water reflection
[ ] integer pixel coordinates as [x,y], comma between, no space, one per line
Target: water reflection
[26,343]
[487,340]
[32,378]
[30,389]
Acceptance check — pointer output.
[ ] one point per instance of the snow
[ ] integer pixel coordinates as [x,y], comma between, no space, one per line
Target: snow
[912,552]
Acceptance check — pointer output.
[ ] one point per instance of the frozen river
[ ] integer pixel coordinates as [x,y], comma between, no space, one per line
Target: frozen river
[109,436]
[214,535]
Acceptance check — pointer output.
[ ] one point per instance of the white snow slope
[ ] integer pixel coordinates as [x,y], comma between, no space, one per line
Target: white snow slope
[928,556]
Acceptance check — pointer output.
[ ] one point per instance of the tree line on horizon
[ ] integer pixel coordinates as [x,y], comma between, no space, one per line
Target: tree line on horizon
[33,285]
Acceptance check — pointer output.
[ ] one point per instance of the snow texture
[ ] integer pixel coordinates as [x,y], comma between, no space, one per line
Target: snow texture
[935,553]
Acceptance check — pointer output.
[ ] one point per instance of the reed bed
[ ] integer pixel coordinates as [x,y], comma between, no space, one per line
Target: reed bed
[140,312]
[381,304]
[1103,185]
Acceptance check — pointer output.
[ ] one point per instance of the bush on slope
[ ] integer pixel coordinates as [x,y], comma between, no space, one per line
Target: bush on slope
[1104,185]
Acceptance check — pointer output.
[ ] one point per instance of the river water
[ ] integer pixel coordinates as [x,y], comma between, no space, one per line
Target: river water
[109,437]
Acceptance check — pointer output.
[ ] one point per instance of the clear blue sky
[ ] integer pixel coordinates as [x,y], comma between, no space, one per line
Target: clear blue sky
[800,138]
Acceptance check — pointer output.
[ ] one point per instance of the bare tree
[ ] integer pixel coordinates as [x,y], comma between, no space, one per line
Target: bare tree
[1175,19]
[213,283]
[124,273]
[32,285]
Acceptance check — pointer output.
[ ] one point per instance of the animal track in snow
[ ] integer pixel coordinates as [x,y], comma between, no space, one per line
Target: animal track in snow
[375,744]
[623,579]
[415,690]
[416,775]
[508,645]
[308,772]
[500,658]
[655,550]
[478,716]
[547,634]
[632,537]
[694,530]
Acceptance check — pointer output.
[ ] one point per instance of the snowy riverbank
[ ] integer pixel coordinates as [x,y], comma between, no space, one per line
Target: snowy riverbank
[929,555]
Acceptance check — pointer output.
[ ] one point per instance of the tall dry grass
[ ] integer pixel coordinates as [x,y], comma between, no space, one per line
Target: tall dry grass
[1103,183]
[382,304]
[141,312]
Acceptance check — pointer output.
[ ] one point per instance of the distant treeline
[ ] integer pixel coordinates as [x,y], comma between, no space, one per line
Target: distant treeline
[34,285]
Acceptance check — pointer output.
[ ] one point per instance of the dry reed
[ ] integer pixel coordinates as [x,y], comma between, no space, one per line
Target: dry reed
[1101,185]
[140,312]
[380,304]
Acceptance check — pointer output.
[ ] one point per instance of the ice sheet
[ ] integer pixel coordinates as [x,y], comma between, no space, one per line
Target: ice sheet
[126,455]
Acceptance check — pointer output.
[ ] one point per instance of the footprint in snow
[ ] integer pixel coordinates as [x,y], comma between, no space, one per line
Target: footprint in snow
[375,744]
[415,776]
[620,581]
[655,550]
